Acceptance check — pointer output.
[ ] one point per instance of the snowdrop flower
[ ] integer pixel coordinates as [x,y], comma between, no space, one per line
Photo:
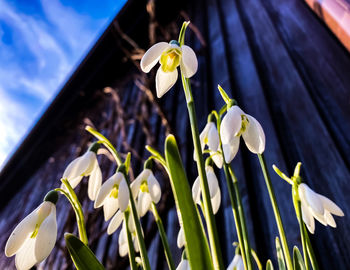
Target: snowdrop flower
[170,56]
[113,195]
[314,205]
[85,165]
[237,263]
[123,241]
[181,238]
[147,189]
[237,123]
[34,237]
[214,189]
[210,136]
[183,265]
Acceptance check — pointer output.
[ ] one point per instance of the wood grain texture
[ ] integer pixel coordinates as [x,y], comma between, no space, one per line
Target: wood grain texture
[275,57]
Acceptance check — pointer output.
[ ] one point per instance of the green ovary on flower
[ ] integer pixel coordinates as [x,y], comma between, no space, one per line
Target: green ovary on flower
[144,186]
[115,191]
[170,59]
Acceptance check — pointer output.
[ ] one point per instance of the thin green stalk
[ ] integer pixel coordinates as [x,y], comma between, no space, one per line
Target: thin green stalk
[297,206]
[310,251]
[139,235]
[208,210]
[231,193]
[163,237]
[242,218]
[132,261]
[73,199]
[276,212]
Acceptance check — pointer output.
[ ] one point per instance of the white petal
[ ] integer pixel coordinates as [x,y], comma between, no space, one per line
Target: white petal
[135,185]
[183,265]
[189,62]
[21,233]
[123,195]
[320,218]
[110,206]
[308,218]
[123,242]
[217,158]
[204,135]
[164,81]
[143,203]
[312,198]
[78,166]
[25,258]
[331,206]
[181,238]
[154,188]
[115,222]
[196,191]
[212,181]
[231,149]
[329,219]
[95,181]
[240,265]
[213,138]
[74,182]
[254,136]
[216,201]
[234,262]
[136,244]
[106,189]
[46,237]
[151,57]
[231,124]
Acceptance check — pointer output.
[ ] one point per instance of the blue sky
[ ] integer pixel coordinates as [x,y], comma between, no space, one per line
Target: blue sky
[41,42]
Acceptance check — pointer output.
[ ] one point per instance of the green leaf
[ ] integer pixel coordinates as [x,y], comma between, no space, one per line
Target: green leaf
[197,247]
[82,256]
[280,257]
[127,162]
[298,262]
[269,265]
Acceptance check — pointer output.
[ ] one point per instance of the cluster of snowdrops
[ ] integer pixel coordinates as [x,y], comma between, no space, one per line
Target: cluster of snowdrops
[125,203]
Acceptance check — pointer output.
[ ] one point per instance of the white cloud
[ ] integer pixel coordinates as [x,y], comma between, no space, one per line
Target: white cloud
[43,51]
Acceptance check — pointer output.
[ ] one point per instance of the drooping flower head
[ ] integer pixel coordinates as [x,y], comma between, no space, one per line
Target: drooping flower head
[235,124]
[170,56]
[314,205]
[237,263]
[214,189]
[85,165]
[210,136]
[183,265]
[113,194]
[146,189]
[34,237]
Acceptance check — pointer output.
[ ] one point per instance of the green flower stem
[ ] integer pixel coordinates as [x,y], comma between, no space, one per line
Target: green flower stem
[114,152]
[297,206]
[276,212]
[163,237]
[106,143]
[73,199]
[208,210]
[256,258]
[310,251]
[242,219]
[133,265]
[231,192]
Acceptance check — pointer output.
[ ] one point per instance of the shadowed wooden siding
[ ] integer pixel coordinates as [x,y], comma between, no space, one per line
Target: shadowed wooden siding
[275,57]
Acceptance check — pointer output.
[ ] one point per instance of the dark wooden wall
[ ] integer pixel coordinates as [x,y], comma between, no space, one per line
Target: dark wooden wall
[278,60]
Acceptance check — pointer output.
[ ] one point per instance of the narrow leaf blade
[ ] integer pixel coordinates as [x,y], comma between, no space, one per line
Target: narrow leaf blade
[280,257]
[269,265]
[196,243]
[298,262]
[82,256]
